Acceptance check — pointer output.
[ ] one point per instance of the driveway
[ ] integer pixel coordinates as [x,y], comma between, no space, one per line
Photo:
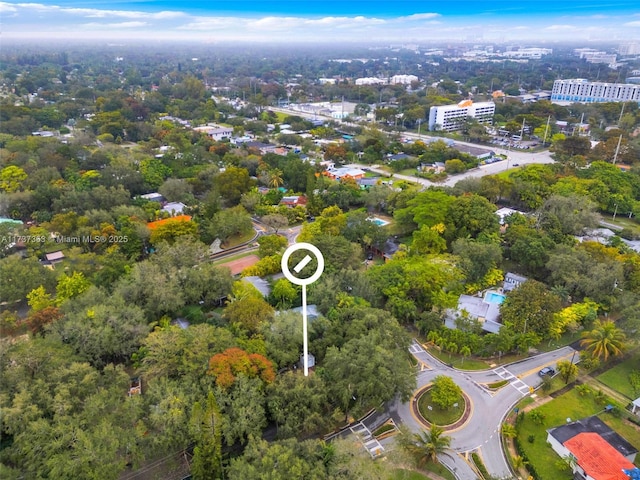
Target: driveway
[481,433]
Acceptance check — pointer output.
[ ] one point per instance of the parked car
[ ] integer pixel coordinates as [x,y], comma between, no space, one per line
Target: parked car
[547,371]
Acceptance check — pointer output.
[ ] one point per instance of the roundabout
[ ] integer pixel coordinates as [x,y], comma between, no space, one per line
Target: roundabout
[427,413]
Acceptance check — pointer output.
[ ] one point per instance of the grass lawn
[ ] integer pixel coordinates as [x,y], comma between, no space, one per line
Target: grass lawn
[458,362]
[618,376]
[570,405]
[281,116]
[438,415]
[237,240]
[566,339]
[408,171]
[623,221]
[234,257]
[407,475]
[438,469]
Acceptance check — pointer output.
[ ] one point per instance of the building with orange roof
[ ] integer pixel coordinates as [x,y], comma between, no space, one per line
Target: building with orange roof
[450,118]
[179,218]
[594,459]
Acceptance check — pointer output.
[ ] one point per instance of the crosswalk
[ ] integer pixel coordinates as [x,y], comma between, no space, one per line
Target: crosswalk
[514,381]
[369,442]
[416,348]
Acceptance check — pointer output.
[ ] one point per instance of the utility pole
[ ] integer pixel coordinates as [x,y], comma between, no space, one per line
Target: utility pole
[615,156]
[621,112]
[544,140]
[615,210]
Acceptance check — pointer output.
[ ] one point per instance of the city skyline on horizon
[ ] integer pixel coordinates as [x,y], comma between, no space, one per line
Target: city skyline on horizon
[321,22]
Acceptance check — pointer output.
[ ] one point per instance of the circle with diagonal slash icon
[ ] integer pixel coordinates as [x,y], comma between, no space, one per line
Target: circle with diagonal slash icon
[302,263]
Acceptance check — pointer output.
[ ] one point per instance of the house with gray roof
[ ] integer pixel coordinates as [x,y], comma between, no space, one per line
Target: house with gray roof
[512,281]
[559,435]
[478,308]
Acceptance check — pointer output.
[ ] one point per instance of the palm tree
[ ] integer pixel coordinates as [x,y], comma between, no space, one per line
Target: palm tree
[518,462]
[465,351]
[275,178]
[427,446]
[508,430]
[605,339]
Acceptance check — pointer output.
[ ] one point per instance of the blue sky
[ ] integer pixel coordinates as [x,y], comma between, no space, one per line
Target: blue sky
[324,20]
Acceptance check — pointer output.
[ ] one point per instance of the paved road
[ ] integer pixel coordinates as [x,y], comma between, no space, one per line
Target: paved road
[481,433]
[514,160]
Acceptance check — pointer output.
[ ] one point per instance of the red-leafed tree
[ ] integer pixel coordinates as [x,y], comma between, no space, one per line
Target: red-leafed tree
[226,366]
[37,321]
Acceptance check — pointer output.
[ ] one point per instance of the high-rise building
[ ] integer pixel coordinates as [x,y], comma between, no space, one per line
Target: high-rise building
[583,91]
[630,48]
[450,118]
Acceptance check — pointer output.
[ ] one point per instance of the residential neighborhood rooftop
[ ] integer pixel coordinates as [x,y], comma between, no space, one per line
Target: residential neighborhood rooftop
[597,458]
[593,424]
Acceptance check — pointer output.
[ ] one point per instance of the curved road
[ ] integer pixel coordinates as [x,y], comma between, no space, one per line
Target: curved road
[481,433]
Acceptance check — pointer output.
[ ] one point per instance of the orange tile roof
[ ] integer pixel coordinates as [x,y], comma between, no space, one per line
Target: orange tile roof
[597,457]
[179,218]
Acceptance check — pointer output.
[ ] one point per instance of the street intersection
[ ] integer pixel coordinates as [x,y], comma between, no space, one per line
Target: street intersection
[480,433]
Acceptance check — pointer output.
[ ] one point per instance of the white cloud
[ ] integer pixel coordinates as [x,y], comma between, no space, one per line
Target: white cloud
[561,27]
[7,8]
[210,23]
[632,24]
[419,16]
[115,25]
[97,13]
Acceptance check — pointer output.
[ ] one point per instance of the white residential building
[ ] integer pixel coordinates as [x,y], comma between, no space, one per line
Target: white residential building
[216,132]
[451,117]
[370,81]
[403,79]
[581,90]
[533,53]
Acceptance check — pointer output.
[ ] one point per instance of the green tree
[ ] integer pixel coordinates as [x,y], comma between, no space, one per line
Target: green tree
[271,245]
[367,371]
[604,339]
[508,430]
[425,446]
[247,314]
[471,216]
[12,178]
[275,178]
[101,328]
[71,286]
[284,293]
[275,222]
[171,229]
[243,409]
[229,223]
[298,404]
[567,370]
[206,425]
[428,240]
[284,460]
[530,308]
[21,276]
[38,299]
[445,392]
[477,258]
[465,351]
[232,183]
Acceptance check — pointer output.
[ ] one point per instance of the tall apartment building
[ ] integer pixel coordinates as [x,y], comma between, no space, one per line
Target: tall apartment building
[450,118]
[583,91]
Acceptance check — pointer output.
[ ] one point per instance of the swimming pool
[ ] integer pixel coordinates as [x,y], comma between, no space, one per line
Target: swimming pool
[494,297]
[378,221]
